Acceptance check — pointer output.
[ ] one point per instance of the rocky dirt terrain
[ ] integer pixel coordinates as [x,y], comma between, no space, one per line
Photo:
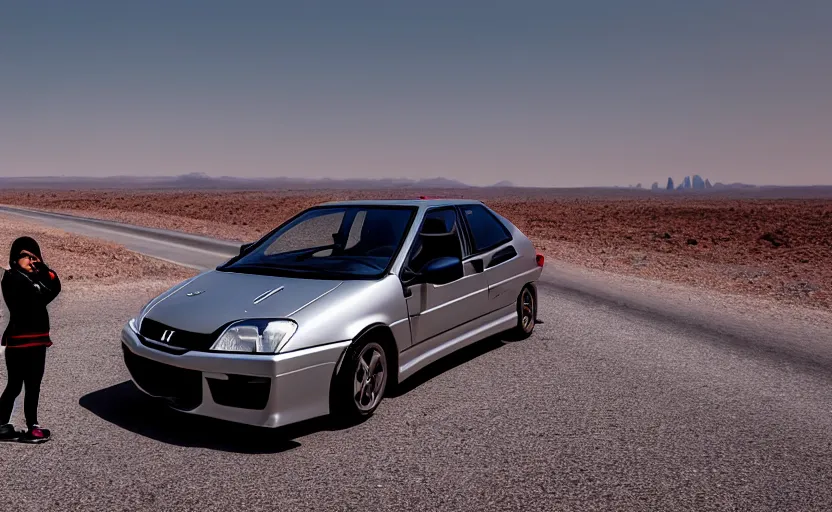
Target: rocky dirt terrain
[776,248]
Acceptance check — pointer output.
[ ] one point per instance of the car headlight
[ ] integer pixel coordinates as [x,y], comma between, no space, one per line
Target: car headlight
[134,324]
[255,336]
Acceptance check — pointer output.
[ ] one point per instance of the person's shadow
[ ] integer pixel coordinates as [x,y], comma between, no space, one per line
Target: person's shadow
[127,407]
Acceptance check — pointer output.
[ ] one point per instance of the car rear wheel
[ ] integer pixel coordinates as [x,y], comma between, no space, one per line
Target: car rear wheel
[360,384]
[526,313]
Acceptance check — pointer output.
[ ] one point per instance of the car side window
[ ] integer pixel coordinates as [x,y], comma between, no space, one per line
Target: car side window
[438,237]
[486,230]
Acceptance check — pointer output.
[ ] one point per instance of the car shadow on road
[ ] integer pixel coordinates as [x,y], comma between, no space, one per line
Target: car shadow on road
[125,406]
[451,361]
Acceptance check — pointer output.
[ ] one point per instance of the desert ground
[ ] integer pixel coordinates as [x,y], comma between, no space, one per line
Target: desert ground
[777,248]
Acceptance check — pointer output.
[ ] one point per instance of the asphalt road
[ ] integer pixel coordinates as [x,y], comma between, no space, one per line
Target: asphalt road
[618,402]
[183,248]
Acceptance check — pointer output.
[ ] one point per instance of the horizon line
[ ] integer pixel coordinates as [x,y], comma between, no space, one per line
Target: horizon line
[460,183]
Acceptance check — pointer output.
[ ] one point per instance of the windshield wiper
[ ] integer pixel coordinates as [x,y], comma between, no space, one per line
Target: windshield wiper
[371,265]
[317,270]
[270,269]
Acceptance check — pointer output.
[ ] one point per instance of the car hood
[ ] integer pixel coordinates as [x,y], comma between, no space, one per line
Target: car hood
[215,298]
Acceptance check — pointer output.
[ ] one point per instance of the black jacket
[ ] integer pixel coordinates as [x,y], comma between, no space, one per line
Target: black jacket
[26,296]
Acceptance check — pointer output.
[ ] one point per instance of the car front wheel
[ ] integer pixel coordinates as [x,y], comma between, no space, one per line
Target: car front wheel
[360,385]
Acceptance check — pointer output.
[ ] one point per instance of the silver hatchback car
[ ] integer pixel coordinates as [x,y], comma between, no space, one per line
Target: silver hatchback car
[333,308]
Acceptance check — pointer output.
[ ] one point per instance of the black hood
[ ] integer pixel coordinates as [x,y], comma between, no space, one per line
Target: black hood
[24,243]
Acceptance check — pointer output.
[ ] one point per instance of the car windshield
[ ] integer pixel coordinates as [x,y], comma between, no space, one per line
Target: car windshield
[339,242]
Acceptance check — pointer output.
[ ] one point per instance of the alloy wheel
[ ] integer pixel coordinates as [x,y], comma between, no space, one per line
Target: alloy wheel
[527,310]
[370,377]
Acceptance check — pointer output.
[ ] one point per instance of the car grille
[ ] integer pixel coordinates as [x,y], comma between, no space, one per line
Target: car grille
[180,387]
[181,339]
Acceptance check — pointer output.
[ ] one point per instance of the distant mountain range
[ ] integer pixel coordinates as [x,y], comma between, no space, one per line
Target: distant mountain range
[203,181]
[200,181]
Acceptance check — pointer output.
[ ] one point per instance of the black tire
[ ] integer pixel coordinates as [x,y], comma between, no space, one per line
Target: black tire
[349,405]
[526,313]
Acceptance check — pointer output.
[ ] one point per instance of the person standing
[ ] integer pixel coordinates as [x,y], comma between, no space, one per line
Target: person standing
[28,287]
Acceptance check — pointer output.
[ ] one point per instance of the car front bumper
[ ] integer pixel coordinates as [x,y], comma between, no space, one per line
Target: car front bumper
[260,390]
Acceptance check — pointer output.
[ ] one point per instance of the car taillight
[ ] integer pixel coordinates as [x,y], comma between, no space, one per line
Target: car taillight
[539,259]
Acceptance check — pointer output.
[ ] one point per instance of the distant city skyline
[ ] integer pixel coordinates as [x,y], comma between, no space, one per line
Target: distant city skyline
[548,94]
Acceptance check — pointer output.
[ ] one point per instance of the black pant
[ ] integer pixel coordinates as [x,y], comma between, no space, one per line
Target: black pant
[25,366]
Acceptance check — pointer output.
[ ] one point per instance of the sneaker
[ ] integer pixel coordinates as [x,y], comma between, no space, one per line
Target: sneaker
[9,433]
[35,434]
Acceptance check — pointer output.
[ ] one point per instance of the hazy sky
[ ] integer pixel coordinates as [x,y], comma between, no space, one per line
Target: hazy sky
[540,93]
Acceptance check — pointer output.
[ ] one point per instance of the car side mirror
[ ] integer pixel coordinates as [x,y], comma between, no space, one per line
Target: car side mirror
[441,271]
